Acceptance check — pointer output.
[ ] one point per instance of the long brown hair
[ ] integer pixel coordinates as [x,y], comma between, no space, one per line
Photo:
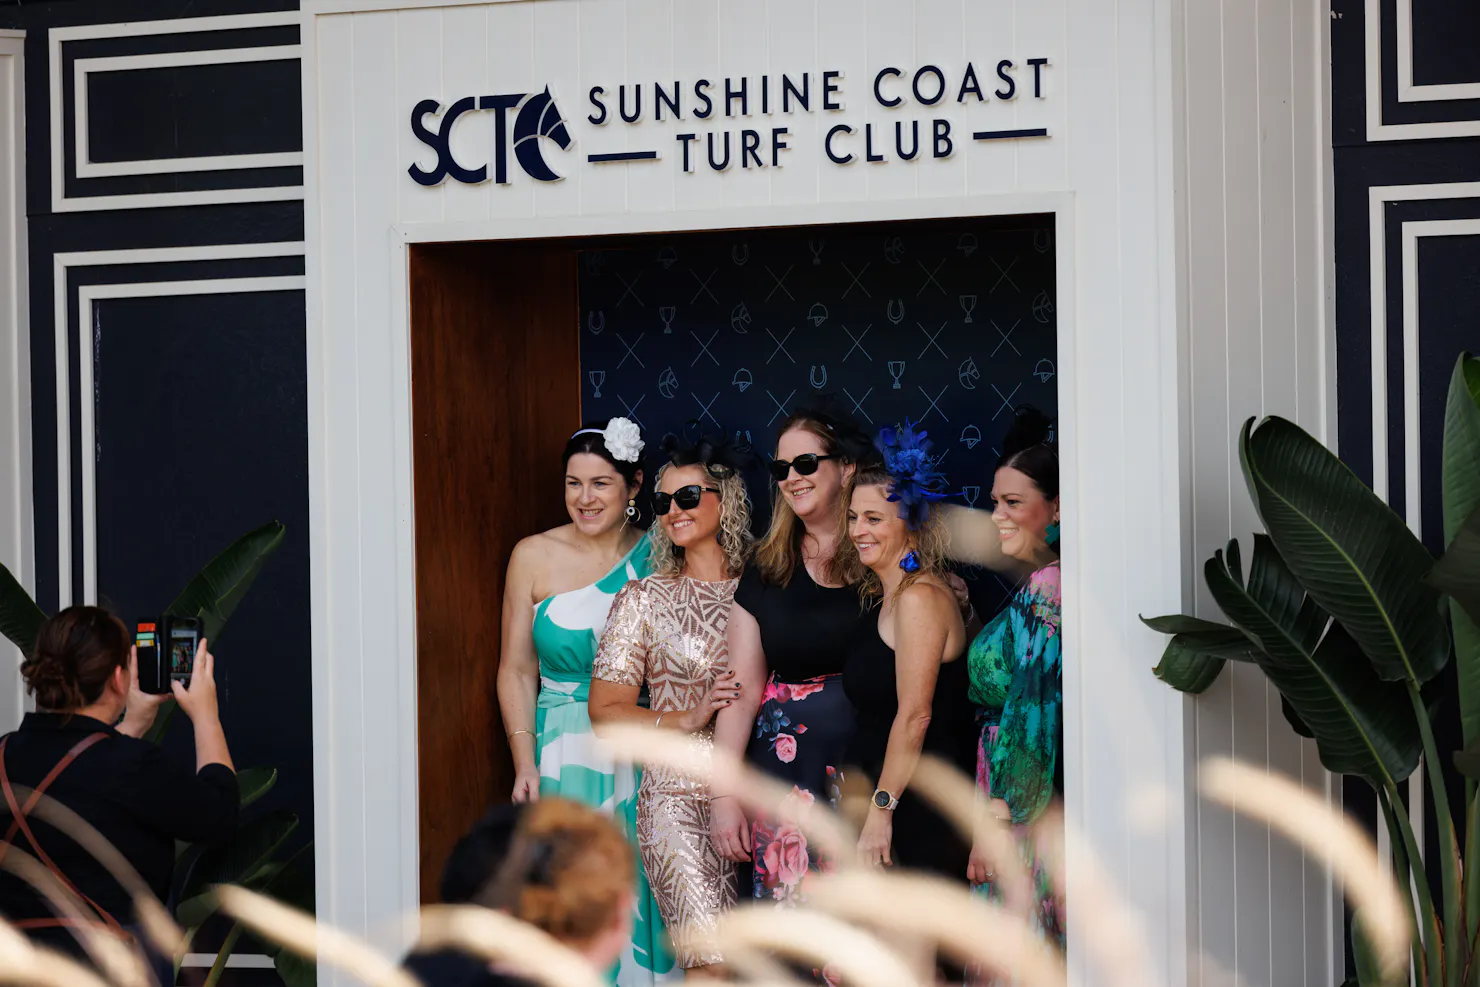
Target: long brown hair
[780,552]
[929,544]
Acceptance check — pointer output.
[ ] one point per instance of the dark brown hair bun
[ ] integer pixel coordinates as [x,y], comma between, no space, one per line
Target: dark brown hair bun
[75,655]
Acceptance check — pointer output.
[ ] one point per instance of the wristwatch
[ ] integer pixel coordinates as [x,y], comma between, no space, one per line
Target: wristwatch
[884,800]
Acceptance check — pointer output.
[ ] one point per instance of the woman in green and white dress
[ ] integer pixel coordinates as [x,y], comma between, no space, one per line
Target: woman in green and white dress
[557,594]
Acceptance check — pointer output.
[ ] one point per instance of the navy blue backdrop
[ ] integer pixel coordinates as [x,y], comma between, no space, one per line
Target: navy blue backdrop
[948,324]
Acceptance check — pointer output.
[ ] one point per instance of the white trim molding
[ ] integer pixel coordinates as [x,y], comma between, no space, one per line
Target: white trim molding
[1376,129]
[87,295]
[17,519]
[1407,91]
[85,168]
[1378,198]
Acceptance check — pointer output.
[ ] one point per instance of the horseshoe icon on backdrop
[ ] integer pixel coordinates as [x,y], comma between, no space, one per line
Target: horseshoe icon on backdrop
[596,322]
[1042,240]
[812,378]
[740,253]
[890,311]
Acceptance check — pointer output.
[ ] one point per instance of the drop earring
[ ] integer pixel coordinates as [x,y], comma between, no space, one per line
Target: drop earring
[910,562]
[632,510]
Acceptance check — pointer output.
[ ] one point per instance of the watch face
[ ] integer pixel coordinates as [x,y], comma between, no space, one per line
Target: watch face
[882,799]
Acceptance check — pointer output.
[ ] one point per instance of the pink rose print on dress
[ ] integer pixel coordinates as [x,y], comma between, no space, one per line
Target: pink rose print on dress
[786,748]
[786,855]
[801,690]
[831,977]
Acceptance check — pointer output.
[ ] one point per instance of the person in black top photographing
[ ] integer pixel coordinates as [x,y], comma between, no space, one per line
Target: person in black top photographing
[83,748]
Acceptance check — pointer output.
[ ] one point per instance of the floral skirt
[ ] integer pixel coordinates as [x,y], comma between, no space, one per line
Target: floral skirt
[801,735]
[1047,918]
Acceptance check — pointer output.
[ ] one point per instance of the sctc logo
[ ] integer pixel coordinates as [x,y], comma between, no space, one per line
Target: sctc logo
[538,118]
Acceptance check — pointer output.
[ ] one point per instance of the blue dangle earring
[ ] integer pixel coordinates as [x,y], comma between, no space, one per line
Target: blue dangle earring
[1052,535]
[910,562]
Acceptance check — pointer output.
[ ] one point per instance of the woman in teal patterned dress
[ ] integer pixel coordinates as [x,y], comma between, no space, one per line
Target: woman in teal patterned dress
[557,595]
[1014,663]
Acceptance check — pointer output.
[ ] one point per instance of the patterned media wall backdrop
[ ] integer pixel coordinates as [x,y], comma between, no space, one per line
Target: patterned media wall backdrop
[948,325]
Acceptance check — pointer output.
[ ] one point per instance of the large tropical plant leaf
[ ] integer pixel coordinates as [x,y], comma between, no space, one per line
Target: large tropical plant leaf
[216,590]
[1349,550]
[1461,497]
[241,854]
[253,783]
[1362,725]
[296,970]
[1457,574]
[1195,655]
[20,617]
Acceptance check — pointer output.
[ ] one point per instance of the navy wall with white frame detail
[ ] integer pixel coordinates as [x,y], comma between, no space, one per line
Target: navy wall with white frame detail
[167,337]
[1406,161]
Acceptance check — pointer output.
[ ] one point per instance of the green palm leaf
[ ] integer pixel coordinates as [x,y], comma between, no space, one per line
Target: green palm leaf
[216,590]
[1361,724]
[1195,655]
[20,617]
[1351,552]
[1461,496]
[253,783]
[241,854]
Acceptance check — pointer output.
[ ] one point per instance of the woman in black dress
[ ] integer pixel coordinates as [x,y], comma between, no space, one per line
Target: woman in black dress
[793,617]
[906,675]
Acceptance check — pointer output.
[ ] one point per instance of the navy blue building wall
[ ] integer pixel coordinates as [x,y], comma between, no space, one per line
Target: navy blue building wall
[199,400]
[1446,50]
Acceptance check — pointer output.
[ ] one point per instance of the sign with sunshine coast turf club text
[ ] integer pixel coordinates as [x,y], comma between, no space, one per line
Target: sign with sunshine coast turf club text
[732,123]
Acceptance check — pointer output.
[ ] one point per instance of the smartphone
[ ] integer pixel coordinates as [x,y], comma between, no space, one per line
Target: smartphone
[183,640]
[154,677]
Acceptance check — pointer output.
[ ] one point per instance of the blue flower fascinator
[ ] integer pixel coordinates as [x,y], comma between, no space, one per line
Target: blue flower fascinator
[916,483]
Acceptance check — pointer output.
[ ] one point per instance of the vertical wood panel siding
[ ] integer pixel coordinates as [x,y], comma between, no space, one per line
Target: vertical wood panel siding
[1253,145]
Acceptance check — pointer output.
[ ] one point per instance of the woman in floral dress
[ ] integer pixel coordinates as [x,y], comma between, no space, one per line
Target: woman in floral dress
[1014,663]
[793,617]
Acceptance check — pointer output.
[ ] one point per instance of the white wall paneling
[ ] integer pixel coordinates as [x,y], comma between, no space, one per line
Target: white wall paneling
[86,296]
[1182,308]
[1254,155]
[17,543]
[59,37]
[1407,92]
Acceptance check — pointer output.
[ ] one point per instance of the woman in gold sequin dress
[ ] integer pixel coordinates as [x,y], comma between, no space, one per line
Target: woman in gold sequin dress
[667,632]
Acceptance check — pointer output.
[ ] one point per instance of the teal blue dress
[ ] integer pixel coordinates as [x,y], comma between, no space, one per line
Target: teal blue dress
[573,763]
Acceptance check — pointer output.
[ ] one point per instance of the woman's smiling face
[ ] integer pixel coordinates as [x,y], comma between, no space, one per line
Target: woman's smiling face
[1022,514]
[878,532]
[812,496]
[595,494]
[691,525]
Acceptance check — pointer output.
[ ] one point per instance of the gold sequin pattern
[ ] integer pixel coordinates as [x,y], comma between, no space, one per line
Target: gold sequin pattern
[670,634]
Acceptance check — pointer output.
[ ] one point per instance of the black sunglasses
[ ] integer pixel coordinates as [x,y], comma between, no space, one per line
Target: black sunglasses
[687,498]
[805,465]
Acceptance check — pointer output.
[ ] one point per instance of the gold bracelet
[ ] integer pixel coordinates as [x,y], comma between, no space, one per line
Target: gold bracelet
[518,732]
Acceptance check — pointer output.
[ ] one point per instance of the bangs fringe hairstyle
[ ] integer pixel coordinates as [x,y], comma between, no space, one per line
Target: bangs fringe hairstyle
[780,552]
[929,543]
[722,462]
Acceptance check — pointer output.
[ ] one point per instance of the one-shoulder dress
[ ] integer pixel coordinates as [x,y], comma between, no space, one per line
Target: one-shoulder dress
[573,763]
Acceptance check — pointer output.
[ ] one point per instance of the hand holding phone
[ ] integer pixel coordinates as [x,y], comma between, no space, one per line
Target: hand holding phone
[198,697]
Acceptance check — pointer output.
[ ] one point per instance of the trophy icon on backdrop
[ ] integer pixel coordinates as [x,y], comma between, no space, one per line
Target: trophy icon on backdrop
[896,370]
[968,305]
[597,377]
[667,314]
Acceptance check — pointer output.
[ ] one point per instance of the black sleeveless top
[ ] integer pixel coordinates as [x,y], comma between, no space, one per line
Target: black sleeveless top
[805,629]
[922,839]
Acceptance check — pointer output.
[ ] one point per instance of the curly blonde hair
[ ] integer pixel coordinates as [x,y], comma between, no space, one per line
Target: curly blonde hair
[928,543]
[734,529]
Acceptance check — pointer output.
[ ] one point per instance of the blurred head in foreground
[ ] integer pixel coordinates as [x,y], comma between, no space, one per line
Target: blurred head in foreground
[558,865]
